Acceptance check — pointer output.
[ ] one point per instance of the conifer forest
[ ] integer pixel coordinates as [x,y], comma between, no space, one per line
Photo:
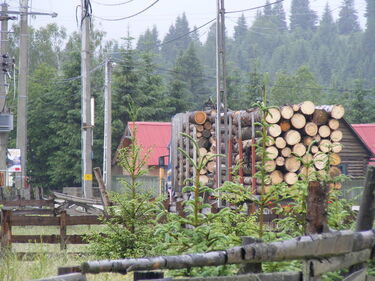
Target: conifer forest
[302,57]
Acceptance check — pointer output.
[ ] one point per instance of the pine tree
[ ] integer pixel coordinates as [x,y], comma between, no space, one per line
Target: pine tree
[267,10]
[240,29]
[327,30]
[348,19]
[149,41]
[279,14]
[172,47]
[302,16]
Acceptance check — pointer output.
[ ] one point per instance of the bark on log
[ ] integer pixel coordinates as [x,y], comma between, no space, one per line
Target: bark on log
[292,137]
[311,129]
[285,125]
[206,134]
[273,115]
[320,117]
[207,125]
[324,131]
[286,112]
[203,142]
[292,164]
[280,142]
[313,246]
[336,111]
[307,107]
[290,178]
[299,149]
[307,140]
[274,130]
[298,121]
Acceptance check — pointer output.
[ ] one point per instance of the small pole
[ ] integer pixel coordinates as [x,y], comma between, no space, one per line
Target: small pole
[102,189]
[240,149]
[63,230]
[6,230]
[253,156]
[107,157]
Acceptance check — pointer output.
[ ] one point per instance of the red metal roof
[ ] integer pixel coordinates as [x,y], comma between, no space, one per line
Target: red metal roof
[367,134]
[155,136]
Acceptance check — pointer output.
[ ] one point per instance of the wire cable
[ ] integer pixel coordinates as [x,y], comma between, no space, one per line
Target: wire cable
[111,4]
[254,8]
[131,16]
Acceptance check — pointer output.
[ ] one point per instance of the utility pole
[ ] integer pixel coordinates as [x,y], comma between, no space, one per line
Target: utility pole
[4,113]
[21,140]
[220,90]
[107,153]
[87,127]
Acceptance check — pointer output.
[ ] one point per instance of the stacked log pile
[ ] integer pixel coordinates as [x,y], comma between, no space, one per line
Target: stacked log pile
[292,131]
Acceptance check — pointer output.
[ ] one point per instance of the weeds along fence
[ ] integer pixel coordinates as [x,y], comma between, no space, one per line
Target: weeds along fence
[41,217]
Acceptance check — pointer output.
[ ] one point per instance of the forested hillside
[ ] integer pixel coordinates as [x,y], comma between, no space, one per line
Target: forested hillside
[304,58]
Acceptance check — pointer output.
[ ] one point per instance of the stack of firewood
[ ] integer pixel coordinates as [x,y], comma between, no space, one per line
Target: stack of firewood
[297,133]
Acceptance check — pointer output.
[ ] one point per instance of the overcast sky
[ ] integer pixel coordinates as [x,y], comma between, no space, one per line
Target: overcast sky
[162,14]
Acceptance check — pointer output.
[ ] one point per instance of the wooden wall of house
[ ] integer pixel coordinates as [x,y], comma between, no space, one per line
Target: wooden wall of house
[354,154]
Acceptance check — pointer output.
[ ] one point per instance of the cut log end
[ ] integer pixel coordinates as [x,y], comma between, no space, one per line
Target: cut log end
[273,115]
[307,107]
[338,111]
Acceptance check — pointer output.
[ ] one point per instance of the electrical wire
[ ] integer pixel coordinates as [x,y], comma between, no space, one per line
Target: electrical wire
[112,4]
[254,8]
[131,16]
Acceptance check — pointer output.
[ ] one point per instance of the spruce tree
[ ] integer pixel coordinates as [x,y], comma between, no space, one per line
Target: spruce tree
[348,20]
[267,11]
[240,29]
[149,41]
[327,30]
[279,16]
[368,53]
[302,16]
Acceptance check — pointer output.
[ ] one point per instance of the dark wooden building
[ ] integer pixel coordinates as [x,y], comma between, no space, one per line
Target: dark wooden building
[355,154]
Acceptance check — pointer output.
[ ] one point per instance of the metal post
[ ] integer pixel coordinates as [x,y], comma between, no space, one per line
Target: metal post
[3,92]
[21,141]
[86,110]
[107,157]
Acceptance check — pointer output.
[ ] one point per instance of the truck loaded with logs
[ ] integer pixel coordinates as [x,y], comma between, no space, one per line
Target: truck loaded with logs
[292,130]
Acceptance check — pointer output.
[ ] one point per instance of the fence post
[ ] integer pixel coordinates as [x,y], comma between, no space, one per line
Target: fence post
[63,230]
[316,215]
[6,230]
[250,267]
[366,216]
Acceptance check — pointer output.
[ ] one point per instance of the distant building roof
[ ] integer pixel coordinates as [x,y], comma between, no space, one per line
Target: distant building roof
[154,136]
[367,134]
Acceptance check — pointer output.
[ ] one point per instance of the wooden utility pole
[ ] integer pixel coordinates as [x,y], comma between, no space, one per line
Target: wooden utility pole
[21,141]
[220,88]
[87,127]
[3,89]
[107,154]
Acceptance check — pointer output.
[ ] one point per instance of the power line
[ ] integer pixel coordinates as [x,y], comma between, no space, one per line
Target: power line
[131,16]
[255,8]
[111,4]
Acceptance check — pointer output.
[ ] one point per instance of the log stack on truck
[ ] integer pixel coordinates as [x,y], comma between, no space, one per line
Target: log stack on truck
[297,133]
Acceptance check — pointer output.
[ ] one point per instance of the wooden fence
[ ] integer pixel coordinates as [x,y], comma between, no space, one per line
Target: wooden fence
[41,217]
[320,253]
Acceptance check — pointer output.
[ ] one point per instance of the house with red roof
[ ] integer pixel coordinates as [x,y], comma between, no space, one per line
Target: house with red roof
[153,137]
[367,133]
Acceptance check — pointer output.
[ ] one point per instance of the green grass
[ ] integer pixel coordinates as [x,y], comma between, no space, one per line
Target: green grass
[48,257]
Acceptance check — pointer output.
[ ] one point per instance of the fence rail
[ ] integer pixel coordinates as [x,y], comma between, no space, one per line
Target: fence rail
[34,217]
